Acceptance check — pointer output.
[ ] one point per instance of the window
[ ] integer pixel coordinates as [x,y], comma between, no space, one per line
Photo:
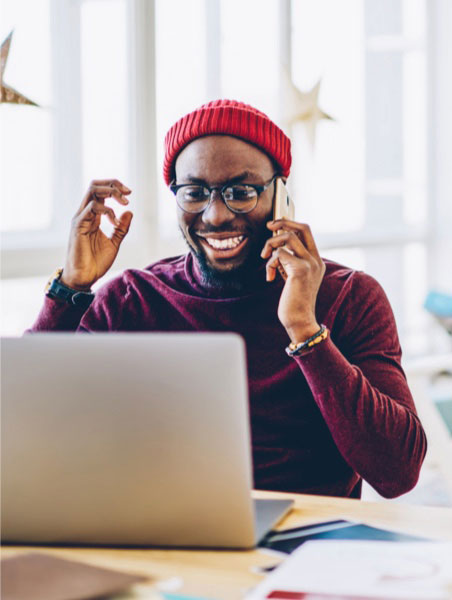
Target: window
[71,58]
[364,183]
[111,77]
[26,173]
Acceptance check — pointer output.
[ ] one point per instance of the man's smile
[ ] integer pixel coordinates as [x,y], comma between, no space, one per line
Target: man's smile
[223,245]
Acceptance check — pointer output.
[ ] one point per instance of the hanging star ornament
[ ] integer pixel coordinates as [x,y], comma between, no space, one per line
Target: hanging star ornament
[303,107]
[7,93]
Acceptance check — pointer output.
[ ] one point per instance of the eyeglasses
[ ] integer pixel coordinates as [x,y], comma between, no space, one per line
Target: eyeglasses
[238,197]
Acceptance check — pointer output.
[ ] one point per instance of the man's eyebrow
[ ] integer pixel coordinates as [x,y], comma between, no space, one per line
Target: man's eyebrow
[236,179]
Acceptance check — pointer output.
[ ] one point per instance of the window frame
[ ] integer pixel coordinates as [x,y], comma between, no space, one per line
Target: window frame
[31,253]
[26,254]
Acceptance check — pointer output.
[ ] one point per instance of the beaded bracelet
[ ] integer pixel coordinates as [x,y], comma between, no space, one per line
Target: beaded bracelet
[294,349]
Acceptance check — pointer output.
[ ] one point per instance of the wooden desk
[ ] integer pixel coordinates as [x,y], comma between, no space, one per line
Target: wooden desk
[226,575]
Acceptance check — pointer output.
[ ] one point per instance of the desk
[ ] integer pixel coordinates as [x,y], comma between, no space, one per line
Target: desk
[226,575]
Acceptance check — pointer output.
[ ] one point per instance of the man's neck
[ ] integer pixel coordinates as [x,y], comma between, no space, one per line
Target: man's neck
[239,282]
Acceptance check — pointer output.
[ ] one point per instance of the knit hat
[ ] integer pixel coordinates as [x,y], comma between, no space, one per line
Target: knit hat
[227,117]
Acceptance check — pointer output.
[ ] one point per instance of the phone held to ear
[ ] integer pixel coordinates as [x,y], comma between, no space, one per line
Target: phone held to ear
[283,208]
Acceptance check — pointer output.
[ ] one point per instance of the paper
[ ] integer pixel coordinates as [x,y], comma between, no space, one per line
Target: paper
[386,570]
[287,540]
[44,577]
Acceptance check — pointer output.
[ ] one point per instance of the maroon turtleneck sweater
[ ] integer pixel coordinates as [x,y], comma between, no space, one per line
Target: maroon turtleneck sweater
[320,422]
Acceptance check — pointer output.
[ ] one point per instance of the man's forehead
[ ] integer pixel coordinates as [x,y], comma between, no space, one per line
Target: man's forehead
[225,156]
[198,176]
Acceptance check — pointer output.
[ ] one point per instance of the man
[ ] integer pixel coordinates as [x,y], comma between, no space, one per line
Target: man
[333,409]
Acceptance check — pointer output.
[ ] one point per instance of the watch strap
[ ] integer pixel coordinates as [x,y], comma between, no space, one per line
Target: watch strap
[57,290]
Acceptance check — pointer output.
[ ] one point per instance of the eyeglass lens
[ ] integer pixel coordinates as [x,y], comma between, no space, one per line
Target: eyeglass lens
[238,198]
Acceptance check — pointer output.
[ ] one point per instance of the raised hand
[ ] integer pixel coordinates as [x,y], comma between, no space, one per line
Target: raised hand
[90,252]
[294,249]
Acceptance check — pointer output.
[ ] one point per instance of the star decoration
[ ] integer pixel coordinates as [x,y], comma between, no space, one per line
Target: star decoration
[7,93]
[303,107]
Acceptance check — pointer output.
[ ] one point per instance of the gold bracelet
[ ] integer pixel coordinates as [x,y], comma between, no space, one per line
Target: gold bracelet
[294,349]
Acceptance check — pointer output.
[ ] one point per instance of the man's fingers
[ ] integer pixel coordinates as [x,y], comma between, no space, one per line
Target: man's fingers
[98,208]
[101,189]
[122,228]
[274,264]
[103,192]
[289,240]
[112,183]
[302,230]
[94,210]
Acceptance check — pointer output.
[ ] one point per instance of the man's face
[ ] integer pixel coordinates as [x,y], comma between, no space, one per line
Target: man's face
[216,160]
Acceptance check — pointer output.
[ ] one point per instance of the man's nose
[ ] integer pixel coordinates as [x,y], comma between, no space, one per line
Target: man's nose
[217,213]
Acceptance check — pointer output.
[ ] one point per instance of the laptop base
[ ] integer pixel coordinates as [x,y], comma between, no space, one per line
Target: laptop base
[268,513]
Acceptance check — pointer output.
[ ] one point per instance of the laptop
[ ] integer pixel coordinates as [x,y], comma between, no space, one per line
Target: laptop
[129,439]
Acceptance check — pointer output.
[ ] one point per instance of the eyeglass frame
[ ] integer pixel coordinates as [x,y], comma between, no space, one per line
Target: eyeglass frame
[259,188]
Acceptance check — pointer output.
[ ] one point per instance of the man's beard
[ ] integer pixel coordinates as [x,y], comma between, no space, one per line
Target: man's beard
[238,279]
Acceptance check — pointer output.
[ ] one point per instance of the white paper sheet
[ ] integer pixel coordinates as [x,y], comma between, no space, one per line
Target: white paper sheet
[396,570]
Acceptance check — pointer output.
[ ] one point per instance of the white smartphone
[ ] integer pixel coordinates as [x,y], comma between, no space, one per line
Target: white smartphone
[283,208]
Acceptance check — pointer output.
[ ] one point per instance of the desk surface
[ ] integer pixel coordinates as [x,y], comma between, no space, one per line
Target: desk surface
[227,575]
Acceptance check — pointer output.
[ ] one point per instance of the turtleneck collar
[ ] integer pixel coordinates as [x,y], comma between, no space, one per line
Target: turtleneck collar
[194,276]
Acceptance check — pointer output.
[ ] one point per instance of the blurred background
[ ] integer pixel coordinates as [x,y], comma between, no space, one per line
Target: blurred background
[111,76]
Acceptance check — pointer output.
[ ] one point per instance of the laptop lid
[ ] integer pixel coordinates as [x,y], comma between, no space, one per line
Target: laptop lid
[135,439]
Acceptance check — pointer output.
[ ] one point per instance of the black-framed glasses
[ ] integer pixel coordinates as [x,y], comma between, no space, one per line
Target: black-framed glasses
[238,197]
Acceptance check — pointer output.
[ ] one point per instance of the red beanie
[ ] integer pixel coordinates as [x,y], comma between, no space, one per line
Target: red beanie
[227,117]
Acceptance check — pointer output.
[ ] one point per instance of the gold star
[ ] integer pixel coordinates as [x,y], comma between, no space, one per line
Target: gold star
[7,93]
[303,107]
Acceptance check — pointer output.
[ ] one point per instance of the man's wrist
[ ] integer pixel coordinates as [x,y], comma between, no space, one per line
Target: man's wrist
[59,291]
[301,332]
[74,286]
[299,348]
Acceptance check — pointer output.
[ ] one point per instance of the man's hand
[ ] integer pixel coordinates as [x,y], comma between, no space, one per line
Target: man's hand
[294,249]
[90,252]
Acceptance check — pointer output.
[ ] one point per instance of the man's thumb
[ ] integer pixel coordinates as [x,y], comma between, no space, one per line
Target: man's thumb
[121,230]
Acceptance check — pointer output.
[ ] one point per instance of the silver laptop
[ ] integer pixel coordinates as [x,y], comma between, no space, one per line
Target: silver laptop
[129,439]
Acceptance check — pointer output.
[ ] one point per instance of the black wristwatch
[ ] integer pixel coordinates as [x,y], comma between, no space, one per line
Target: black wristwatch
[59,291]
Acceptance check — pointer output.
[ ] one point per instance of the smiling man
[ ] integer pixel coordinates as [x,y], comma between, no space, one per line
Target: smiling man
[329,402]
[226,235]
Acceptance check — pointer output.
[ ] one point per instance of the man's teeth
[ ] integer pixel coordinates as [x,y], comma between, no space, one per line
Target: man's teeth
[227,243]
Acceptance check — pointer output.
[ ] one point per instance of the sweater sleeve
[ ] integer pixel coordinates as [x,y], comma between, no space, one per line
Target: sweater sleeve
[57,316]
[104,314]
[363,395]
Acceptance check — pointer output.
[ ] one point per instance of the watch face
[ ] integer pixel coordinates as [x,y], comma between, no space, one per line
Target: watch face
[55,276]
